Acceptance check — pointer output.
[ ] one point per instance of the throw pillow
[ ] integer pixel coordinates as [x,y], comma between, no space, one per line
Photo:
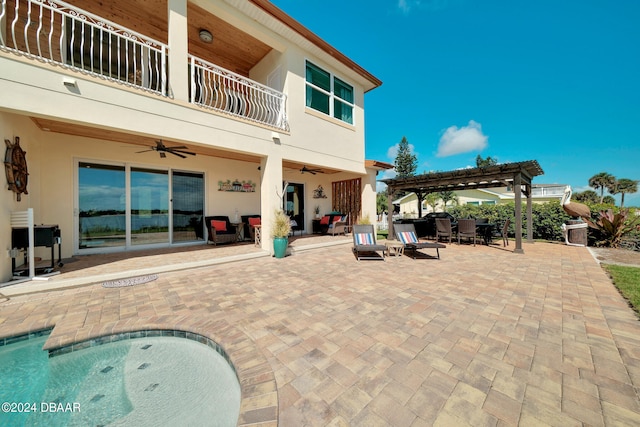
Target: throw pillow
[254,221]
[220,226]
[325,220]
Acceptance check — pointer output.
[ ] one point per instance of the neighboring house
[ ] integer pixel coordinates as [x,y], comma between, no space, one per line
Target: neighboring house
[540,193]
[89,88]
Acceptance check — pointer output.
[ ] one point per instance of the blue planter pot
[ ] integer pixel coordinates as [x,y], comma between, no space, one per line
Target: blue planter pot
[280,246]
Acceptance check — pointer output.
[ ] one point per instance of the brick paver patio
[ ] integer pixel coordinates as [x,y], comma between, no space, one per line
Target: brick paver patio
[482,337]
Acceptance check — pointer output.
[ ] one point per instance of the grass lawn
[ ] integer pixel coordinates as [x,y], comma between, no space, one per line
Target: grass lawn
[627,280]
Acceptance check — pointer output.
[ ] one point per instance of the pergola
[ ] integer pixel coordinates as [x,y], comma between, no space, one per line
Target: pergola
[518,175]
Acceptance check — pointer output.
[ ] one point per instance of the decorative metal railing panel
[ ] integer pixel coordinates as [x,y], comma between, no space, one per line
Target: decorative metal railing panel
[547,192]
[225,91]
[58,33]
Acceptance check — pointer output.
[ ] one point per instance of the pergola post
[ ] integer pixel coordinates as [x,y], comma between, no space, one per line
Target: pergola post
[529,215]
[390,193]
[517,190]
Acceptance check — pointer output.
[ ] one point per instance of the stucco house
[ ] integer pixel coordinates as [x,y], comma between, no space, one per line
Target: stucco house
[140,118]
[540,193]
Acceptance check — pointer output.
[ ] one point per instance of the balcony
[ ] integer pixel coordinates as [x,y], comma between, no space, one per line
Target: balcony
[61,34]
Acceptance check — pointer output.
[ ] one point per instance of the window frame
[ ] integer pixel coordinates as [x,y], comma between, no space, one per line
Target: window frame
[333,96]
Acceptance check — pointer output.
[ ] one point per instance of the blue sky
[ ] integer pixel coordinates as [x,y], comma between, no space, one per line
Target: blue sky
[557,81]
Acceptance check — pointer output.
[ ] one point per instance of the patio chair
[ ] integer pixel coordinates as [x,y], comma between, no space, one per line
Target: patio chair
[443,228]
[504,231]
[249,222]
[467,228]
[220,230]
[406,233]
[338,225]
[364,243]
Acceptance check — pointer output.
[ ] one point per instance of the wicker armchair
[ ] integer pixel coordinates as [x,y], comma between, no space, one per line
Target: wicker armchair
[223,233]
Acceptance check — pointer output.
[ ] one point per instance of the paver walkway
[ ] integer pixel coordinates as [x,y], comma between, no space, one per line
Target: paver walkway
[482,337]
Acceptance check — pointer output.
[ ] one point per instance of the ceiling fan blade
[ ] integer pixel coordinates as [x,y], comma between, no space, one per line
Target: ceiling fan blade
[176,154]
[171,150]
[180,147]
[144,151]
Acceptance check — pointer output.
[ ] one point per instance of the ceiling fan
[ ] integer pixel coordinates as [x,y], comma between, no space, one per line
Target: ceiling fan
[311,171]
[162,149]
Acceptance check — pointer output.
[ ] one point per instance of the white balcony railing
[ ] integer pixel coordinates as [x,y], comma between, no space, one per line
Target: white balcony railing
[58,33]
[223,90]
[547,192]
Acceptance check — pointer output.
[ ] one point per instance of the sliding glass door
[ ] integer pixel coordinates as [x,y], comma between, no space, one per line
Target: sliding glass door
[188,206]
[101,205]
[149,206]
[121,206]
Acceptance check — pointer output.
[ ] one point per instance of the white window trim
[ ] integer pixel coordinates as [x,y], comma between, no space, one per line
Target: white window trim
[331,94]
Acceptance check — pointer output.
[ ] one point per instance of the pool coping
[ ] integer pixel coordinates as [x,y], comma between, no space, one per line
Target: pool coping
[259,395]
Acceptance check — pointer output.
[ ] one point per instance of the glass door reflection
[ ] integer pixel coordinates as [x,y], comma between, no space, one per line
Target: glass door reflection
[149,206]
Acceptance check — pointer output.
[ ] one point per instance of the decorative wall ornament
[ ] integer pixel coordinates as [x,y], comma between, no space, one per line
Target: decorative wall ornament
[237,186]
[318,193]
[15,166]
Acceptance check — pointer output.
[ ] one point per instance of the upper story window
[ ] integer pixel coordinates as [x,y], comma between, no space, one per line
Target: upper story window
[329,94]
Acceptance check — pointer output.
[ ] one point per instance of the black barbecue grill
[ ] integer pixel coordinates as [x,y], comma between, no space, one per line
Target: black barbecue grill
[43,235]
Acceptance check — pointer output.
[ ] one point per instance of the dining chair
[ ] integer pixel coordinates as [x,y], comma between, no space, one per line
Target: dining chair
[467,228]
[443,228]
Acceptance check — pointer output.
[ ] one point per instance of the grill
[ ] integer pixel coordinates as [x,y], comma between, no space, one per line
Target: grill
[43,235]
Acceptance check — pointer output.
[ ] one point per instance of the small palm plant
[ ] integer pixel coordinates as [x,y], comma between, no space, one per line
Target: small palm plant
[610,228]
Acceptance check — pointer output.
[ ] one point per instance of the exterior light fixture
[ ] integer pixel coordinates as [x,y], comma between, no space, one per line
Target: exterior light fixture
[206,36]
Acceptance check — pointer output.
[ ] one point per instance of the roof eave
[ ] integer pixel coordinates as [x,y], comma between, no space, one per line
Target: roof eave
[281,16]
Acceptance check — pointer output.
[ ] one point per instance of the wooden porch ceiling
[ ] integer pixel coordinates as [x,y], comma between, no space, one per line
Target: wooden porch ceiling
[145,141]
[128,138]
[231,48]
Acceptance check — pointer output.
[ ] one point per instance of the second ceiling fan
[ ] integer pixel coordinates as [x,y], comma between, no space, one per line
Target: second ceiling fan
[176,151]
[310,170]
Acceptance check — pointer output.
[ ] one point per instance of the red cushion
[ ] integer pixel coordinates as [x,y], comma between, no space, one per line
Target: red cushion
[220,226]
[336,218]
[325,220]
[254,221]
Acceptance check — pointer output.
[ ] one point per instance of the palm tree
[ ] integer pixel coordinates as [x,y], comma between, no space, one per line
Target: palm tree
[446,197]
[601,181]
[624,186]
[432,200]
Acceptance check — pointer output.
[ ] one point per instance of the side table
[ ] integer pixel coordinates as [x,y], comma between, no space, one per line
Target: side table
[394,247]
[239,230]
[257,232]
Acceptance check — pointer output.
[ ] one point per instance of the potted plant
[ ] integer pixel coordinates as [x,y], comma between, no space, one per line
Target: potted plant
[280,233]
[317,211]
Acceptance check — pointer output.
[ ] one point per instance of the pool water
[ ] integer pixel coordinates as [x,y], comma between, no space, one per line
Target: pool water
[134,382]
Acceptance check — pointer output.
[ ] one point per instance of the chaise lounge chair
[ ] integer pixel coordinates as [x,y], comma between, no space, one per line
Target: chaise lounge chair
[364,243]
[406,233]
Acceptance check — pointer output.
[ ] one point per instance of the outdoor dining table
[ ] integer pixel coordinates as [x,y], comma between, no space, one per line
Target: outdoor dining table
[485,230]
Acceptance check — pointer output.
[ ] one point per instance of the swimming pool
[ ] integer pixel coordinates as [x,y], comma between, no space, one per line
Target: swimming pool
[134,380]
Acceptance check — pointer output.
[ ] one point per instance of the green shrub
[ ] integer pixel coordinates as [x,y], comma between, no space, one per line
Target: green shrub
[547,217]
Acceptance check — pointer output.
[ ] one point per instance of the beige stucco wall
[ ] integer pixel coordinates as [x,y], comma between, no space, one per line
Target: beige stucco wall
[37,90]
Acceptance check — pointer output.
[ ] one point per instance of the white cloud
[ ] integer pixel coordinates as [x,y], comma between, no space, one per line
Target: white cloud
[406,6]
[385,174]
[403,6]
[457,140]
